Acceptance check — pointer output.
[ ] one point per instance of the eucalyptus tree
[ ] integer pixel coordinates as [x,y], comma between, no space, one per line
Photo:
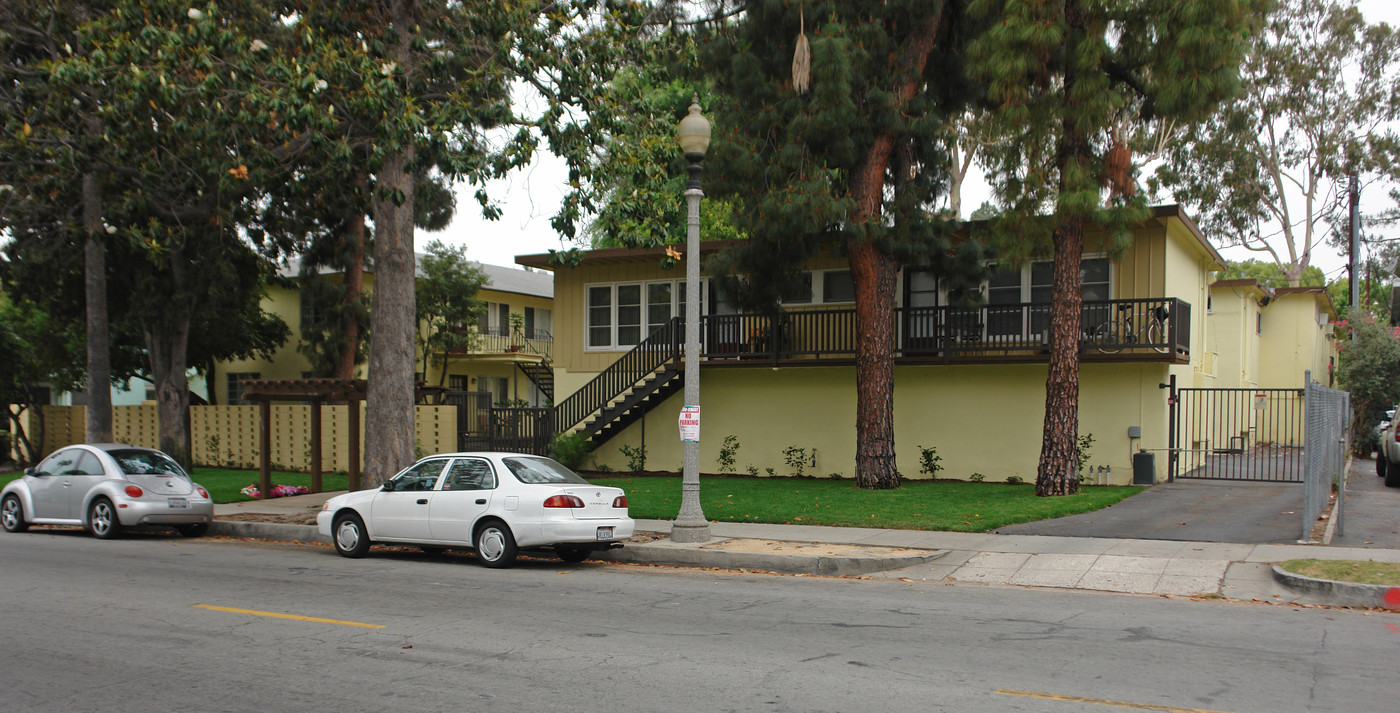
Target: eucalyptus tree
[1269,171]
[1073,80]
[846,149]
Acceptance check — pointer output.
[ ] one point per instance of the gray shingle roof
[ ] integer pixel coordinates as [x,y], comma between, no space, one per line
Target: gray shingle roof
[498,277]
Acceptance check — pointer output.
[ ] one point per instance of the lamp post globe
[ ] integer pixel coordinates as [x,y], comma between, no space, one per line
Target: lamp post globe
[693,134]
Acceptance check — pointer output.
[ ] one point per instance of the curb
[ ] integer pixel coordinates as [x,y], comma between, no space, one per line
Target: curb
[1347,594]
[665,554]
[255,530]
[825,565]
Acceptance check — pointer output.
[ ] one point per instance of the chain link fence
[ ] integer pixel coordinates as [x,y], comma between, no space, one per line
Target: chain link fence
[1325,449]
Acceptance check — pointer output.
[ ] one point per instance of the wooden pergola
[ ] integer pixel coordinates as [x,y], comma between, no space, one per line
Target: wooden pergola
[316,392]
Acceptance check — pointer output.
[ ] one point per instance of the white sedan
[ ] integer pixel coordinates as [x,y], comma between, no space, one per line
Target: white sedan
[496,503]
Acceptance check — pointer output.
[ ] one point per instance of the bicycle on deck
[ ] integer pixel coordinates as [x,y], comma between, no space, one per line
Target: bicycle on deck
[1132,328]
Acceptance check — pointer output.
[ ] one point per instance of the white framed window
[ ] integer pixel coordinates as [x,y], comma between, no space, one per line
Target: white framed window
[620,315]
[495,320]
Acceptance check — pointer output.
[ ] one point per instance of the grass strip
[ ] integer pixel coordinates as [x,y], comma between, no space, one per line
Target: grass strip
[1358,571]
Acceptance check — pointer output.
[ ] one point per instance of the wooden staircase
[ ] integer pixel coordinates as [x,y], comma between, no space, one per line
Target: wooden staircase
[642,379]
[541,373]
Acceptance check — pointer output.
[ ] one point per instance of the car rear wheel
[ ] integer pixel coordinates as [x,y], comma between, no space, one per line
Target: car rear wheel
[1380,464]
[194,529]
[349,535]
[572,555]
[1392,475]
[102,520]
[495,546]
[12,515]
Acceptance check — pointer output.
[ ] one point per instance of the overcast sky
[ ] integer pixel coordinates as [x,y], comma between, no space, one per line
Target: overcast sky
[531,196]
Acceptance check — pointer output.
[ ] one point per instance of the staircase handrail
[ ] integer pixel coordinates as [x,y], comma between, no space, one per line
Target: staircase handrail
[661,346]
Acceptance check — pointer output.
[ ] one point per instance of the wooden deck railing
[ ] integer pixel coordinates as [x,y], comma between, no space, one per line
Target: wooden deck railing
[1154,329]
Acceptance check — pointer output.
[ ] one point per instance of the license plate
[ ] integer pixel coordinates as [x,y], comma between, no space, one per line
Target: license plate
[178,503]
[605,533]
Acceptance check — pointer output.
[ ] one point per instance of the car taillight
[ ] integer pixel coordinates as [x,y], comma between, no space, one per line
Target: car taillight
[133,491]
[203,493]
[563,501]
[620,501]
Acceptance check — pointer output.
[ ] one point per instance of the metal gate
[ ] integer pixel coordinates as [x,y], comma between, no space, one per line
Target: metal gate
[1238,434]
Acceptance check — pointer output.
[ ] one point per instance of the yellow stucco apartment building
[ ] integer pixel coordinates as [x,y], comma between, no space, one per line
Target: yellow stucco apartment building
[969,381]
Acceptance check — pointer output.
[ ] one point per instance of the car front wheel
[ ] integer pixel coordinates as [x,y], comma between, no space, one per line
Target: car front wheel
[102,520]
[350,537]
[12,515]
[1380,464]
[495,546]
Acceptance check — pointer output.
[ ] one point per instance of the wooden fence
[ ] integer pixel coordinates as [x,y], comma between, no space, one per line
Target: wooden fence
[227,436]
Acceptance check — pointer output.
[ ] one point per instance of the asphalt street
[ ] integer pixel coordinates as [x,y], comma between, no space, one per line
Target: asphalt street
[158,623]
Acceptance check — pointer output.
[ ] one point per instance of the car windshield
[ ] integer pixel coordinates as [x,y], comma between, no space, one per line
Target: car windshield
[143,462]
[541,471]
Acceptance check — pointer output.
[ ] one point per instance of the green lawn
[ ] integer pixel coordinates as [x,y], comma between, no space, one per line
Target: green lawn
[917,505]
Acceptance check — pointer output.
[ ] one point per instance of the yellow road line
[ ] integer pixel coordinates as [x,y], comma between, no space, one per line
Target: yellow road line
[288,616]
[1103,702]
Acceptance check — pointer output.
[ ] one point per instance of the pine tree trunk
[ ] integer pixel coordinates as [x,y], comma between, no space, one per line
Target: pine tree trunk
[875,457]
[99,351]
[1058,471]
[389,428]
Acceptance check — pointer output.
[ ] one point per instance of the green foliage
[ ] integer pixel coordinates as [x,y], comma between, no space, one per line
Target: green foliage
[1081,451]
[1369,368]
[636,458]
[976,477]
[930,463]
[753,470]
[447,305]
[796,459]
[1269,273]
[1014,480]
[570,449]
[727,452]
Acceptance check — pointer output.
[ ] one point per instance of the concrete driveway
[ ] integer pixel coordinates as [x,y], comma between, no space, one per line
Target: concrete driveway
[1371,511]
[1247,512]
[1201,510]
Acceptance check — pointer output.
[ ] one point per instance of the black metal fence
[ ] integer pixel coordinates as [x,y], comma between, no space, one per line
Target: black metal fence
[1238,434]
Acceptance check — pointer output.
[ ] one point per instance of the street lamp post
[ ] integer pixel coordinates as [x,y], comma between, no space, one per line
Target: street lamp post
[691,525]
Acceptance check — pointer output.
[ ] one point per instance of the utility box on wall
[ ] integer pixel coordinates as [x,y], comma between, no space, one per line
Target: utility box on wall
[1144,468]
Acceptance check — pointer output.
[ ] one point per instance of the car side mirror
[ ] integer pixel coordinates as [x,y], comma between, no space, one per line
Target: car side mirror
[388,487]
[30,472]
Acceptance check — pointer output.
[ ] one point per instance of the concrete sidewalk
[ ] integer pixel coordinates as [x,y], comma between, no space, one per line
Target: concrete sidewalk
[1159,567]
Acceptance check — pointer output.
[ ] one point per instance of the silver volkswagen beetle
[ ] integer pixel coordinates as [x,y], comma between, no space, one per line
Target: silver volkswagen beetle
[106,487]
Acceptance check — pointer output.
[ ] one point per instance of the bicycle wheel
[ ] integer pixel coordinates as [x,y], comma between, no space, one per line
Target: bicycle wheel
[1105,338]
[1156,336]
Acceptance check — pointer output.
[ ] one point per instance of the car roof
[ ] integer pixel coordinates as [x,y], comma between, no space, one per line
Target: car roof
[485,454]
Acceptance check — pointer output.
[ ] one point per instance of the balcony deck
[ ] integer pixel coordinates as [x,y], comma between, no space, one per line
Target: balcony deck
[1136,330]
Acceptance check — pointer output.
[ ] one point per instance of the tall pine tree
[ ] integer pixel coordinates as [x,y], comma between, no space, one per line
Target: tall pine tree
[846,148]
[1072,79]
